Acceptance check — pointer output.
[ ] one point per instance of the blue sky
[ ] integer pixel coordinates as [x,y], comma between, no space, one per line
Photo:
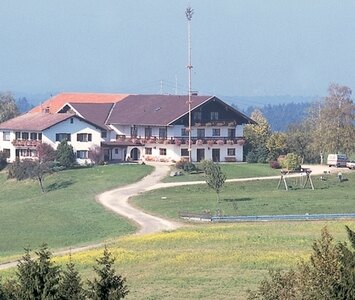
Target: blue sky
[250,48]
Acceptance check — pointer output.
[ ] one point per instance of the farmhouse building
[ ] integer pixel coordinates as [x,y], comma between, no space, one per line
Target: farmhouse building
[129,127]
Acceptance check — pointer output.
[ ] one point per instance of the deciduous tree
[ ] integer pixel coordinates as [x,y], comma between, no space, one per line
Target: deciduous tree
[332,122]
[8,108]
[214,176]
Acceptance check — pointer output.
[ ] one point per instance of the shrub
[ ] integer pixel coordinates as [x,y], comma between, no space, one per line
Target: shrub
[189,167]
[291,162]
[65,154]
[274,164]
[96,154]
[21,170]
[45,152]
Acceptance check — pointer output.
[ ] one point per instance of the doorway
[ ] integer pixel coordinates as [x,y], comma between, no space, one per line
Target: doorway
[216,155]
[135,154]
[200,154]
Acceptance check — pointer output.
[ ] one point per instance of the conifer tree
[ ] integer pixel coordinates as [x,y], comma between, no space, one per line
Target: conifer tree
[108,285]
[71,286]
[65,154]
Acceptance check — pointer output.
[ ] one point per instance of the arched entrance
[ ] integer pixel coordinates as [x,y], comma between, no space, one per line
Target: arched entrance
[135,154]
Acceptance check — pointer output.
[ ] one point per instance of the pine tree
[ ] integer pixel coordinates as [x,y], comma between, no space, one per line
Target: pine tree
[65,154]
[37,279]
[109,285]
[71,287]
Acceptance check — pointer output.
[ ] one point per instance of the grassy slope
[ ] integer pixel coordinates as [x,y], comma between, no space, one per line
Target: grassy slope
[67,213]
[254,198]
[217,261]
[231,171]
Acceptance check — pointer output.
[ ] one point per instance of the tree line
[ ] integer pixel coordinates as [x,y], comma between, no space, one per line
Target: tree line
[327,128]
[40,278]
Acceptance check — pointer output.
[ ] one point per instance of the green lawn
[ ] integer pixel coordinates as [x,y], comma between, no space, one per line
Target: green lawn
[231,170]
[217,261]
[254,198]
[67,214]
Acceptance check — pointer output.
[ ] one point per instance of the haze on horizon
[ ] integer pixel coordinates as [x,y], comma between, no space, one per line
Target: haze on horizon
[251,48]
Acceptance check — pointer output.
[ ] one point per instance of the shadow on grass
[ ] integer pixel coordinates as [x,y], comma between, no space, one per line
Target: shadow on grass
[59,185]
[237,199]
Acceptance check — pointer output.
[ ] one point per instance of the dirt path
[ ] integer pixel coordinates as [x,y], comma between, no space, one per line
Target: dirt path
[117,201]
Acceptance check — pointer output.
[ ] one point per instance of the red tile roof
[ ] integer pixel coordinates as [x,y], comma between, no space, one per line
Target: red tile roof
[34,121]
[152,109]
[56,102]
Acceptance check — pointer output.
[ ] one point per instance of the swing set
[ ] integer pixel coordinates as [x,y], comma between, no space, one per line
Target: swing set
[302,178]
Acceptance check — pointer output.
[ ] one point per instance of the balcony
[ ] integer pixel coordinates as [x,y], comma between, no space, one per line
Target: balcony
[26,143]
[219,123]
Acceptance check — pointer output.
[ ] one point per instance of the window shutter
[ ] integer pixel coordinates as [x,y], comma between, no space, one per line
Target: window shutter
[78,137]
[89,137]
[57,137]
[68,137]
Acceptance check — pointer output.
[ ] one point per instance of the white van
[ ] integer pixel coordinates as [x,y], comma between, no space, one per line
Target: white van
[337,160]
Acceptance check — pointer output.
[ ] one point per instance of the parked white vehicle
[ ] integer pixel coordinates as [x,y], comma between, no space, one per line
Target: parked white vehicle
[351,164]
[337,160]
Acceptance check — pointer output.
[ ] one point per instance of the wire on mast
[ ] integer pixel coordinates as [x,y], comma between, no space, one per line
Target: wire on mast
[189,12]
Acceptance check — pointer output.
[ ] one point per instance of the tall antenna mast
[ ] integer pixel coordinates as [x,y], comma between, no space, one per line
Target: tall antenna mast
[189,12]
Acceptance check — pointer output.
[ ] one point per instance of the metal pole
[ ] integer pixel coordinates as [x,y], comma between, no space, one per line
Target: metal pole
[189,13]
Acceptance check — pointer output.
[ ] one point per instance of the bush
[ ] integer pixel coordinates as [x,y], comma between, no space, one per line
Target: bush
[291,162]
[65,154]
[274,164]
[21,170]
[189,167]
[45,152]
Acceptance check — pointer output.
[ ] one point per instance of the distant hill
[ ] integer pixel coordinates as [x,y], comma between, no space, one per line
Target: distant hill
[280,116]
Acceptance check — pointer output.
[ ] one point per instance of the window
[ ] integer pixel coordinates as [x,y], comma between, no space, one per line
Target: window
[231,151]
[148,132]
[103,134]
[82,154]
[214,115]
[62,137]
[197,116]
[148,151]
[134,131]
[40,136]
[162,133]
[231,133]
[184,152]
[6,135]
[84,137]
[33,135]
[24,135]
[6,153]
[71,120]
[18,135]
[116,150]
[184,132]
[28,153]
[162,151]
[200,132]
[216,132]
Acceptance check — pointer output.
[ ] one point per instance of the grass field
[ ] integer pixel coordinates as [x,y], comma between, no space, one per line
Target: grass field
[254,198]
[232,171]
[208,261]
[67,214]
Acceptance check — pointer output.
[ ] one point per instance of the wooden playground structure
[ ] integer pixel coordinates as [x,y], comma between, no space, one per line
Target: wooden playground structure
[302,178]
